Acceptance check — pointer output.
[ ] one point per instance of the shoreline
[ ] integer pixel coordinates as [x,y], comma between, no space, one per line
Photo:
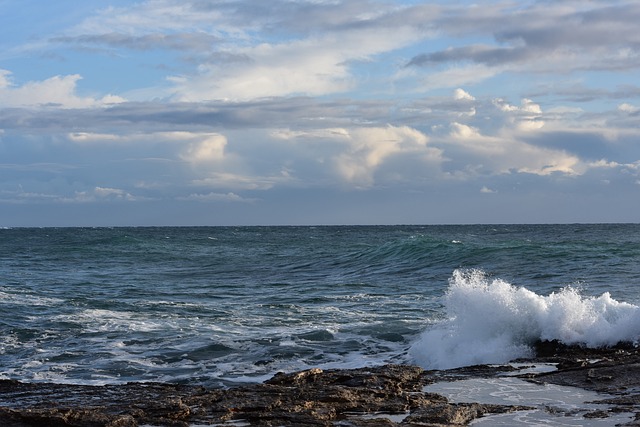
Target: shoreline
[385,396]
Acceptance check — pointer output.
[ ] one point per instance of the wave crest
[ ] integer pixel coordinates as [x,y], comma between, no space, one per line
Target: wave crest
[492,321]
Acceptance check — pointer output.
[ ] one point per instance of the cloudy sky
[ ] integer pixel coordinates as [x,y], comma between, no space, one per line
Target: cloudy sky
[232,112]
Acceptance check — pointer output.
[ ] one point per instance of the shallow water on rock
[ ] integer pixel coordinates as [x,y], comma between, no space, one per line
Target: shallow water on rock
[555,405]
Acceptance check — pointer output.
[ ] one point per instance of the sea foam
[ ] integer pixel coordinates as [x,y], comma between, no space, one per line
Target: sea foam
[492,321]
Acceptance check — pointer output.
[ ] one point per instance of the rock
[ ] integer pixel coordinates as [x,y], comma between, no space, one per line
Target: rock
[459,414]
[357,397]
[607,370]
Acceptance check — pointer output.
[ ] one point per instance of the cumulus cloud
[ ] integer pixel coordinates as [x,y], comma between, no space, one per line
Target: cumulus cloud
[359,152]
[527,116]
[504,154]
[487,190]
[58,91]
[362,157]
[628,108]
[460,94]
[208,149]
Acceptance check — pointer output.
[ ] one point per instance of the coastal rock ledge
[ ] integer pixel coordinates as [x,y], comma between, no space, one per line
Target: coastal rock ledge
[390,395]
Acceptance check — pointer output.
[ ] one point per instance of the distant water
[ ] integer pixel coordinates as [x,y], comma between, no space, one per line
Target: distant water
[222,305]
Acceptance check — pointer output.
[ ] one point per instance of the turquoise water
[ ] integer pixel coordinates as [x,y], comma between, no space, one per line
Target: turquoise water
[222,305]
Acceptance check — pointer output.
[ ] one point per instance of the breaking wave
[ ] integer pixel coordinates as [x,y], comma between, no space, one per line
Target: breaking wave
[491,321]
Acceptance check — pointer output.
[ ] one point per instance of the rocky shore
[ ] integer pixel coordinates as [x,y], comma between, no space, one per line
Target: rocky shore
[391,395]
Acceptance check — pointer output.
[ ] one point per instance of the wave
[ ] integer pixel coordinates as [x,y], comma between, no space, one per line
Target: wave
[492,321]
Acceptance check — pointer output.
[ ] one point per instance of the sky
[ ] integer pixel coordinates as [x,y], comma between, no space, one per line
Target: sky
[294,112]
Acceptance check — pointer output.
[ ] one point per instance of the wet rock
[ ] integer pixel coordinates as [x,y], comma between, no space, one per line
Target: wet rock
[558,350]
[607,370]
[460,414]
[357,397]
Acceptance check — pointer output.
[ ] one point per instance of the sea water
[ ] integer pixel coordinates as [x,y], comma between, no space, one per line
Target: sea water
[220,306]
[550,405]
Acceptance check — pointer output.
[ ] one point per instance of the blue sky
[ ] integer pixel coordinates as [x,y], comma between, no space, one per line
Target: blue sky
[233,112]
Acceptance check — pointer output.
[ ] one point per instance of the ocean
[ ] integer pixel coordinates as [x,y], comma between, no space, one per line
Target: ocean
[219,306]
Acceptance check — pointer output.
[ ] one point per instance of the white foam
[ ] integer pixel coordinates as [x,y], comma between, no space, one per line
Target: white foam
[492,321]
[100,320]
[24,298]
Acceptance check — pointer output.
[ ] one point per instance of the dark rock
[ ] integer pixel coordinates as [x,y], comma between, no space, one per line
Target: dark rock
[556,350]
[314,397]
[603,370]
[459,414]
[596,414]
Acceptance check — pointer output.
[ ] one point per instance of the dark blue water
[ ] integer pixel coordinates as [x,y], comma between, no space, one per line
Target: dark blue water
[219,305]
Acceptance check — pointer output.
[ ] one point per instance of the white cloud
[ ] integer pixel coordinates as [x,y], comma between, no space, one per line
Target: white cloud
[5,81]
[100,194]
[195,147]
[354,155]
[461,94]
[275,71]
[105,192]
[529,106]
[57,91]
[628,108]
[209,149]
[215,197]
[527,117]
[368,148]
[505,153]
[237,181]
[605,164]
[462,131]
[504,106]
[313,66]
[19,197]
[93,137]
[331,133]
[487,190]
